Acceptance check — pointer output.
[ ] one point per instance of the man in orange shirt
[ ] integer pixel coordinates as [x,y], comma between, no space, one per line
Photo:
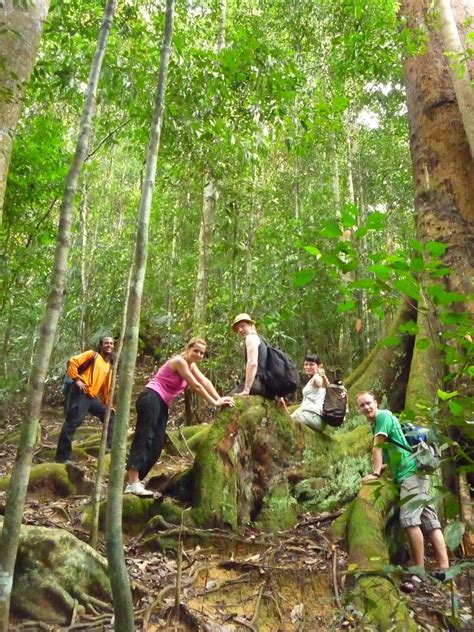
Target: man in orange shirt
[91,373]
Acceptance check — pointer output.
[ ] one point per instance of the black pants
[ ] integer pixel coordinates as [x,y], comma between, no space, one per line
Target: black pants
[150,432]
[79,405]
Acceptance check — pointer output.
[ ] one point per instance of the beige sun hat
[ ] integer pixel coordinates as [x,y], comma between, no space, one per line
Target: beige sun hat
[240,317]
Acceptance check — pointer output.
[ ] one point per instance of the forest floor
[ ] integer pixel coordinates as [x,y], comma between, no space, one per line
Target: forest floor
[288,581]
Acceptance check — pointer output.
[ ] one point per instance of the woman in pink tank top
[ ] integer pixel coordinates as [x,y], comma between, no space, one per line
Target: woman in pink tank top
[152,406]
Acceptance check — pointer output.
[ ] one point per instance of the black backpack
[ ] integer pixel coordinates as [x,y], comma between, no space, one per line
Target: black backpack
[68,382]
[335,405]
[281,373]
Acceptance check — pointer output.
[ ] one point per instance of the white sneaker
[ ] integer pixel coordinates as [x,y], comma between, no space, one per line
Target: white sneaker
[138,489]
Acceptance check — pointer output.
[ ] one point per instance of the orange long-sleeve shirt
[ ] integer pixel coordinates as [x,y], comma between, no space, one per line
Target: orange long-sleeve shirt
[97,377]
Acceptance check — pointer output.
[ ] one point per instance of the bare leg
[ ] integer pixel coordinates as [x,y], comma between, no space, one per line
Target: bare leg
[435,536]
[417,545]
[132,476]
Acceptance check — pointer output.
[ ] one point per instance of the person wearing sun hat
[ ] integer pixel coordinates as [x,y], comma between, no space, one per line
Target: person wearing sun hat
[255,357]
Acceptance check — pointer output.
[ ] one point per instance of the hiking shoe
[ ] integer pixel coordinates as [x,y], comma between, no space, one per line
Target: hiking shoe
[138,489]
[439,576]
[412,584]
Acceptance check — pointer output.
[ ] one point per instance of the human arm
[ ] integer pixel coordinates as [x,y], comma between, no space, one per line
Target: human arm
[188,373]
[377,459]
[75,363]
[320,379]
[251,344]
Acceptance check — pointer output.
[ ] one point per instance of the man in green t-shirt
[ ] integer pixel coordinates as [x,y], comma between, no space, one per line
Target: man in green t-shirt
[417,516]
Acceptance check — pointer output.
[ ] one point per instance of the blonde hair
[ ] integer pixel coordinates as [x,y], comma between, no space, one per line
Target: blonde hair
[196,341]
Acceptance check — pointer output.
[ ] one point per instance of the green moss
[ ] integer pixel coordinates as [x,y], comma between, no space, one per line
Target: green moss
[51,475]
[279,511]
[383,606]
[136,512]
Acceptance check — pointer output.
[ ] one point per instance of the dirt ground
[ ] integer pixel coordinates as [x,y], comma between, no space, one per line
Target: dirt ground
[288,581]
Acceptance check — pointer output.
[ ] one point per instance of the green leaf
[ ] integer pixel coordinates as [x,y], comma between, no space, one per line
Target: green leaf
[409,327]
[408,286]
[312,251]
[331,229]
[347,305]
[361,232]
[445,396]
[376,220]
[416,245]
[303,277]
[422,344]
[436,248]
[417,264]
[352,567]
[391,341]
[383,272]
[363,284]
[453,534]
[441,297]
[456,408]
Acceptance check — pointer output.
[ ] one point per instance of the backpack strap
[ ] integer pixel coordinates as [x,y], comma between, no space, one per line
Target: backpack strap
[395,442]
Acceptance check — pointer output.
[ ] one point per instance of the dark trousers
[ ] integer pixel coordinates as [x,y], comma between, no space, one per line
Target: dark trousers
[79,404]
[150,432]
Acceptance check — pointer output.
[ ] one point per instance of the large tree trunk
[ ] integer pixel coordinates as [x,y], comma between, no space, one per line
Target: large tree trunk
[21,34]
[123,606]
[443,168]
[19,481]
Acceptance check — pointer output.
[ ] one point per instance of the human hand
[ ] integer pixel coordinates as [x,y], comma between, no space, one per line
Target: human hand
[81,385]
[244,393]
[281,402]
[369,478]
[225,401]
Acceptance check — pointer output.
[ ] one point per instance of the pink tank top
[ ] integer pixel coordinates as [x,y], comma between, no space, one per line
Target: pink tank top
[168,383]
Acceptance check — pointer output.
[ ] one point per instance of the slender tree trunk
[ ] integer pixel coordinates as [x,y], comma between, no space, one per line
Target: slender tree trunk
[209,198]
[21,34]
[19,480]
[84,275]
[95,501]
[123,606]
[459,71]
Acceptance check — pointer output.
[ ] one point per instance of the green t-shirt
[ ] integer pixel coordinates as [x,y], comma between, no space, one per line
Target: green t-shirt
[401,462]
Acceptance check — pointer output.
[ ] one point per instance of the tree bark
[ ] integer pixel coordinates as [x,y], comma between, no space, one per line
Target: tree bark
[443,169]
[19,481]
[123,606]
[18,49]
[458,69]
[209,198]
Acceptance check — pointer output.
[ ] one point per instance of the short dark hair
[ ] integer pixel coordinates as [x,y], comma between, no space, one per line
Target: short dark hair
[312,357]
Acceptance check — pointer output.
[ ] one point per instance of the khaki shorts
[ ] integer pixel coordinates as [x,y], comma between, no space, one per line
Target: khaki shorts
[313,420]
[417,511]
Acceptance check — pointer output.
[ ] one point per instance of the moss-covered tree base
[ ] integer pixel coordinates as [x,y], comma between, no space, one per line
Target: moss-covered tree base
[55,479]
[254,454]
[57,575]
[371,591]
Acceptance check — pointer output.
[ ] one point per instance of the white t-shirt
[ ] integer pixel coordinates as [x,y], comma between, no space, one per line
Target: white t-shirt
[313,398]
